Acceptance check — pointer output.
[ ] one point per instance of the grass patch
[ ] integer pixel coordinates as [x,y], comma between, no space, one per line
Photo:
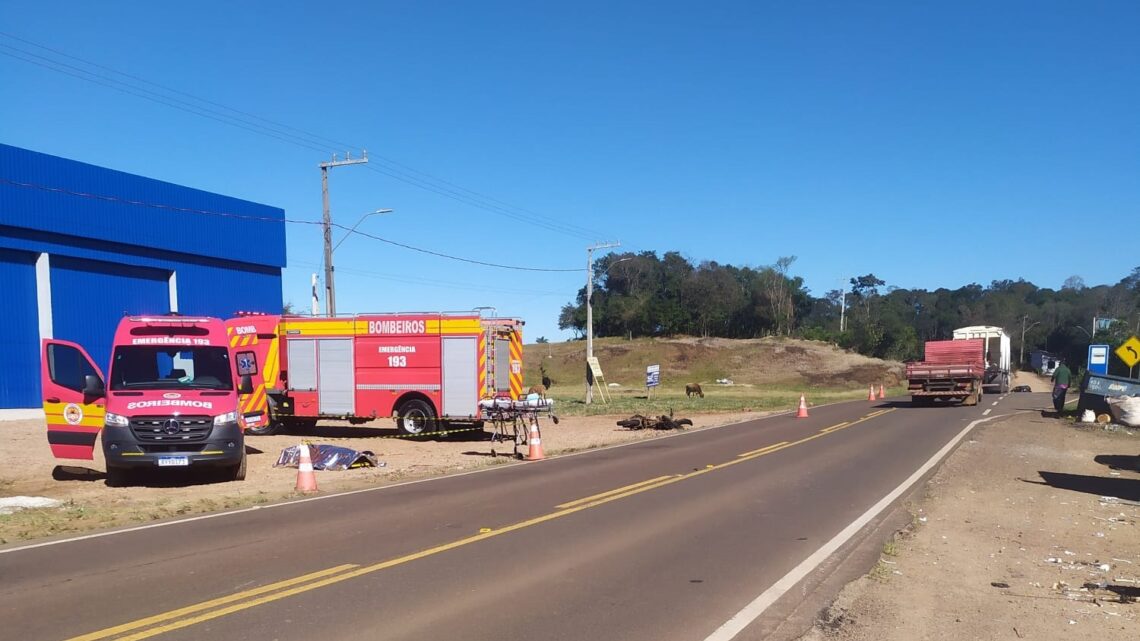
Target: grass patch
[733,398]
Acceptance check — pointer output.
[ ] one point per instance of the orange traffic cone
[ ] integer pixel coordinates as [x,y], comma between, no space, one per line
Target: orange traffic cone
[803,408]
[871,393]
[534,440]
[882,392]
[306,478]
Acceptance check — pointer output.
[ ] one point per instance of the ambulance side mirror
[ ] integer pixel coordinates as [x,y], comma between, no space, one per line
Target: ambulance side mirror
[93,386]
[246,384]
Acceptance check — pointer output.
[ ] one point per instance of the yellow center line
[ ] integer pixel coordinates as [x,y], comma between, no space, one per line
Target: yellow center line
[339,575]
[614,491]
[205,605]
[834,427]
[765,450]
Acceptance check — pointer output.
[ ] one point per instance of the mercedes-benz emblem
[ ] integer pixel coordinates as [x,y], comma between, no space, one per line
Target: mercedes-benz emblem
[171,426]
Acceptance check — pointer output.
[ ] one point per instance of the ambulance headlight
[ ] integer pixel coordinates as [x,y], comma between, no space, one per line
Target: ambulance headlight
[228,417]
[115,420]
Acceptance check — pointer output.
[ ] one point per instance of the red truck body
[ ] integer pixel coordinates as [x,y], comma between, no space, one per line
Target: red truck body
[417,367]
[950,370]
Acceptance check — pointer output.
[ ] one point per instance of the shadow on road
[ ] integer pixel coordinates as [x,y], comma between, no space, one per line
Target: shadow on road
[1128,489]
[1119,462]
[449,433]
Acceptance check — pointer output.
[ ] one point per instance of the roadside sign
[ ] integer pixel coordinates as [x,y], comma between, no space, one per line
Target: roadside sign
[653,376]
[595,367]
[1129,352]
[1098,359]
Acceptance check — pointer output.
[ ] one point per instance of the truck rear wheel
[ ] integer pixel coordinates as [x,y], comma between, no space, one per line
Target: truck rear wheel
[416,417]
[269,428]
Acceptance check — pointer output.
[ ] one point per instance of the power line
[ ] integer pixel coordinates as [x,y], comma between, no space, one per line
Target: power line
[190,210]
[164,206]
[457,258]
[430,282]
[155,97]
[281,131]
[335,143]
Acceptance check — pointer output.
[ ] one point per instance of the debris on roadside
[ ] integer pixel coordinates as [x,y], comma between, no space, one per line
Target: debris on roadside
[640,422]
[329,457]
[10,504]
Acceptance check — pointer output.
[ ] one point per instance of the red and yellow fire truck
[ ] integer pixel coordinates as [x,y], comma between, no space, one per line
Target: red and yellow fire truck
[421,368]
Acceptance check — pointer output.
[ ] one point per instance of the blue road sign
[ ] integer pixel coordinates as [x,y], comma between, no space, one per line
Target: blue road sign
[653,376]
[1098,359]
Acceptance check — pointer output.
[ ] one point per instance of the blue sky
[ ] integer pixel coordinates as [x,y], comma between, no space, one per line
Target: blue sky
[934,144]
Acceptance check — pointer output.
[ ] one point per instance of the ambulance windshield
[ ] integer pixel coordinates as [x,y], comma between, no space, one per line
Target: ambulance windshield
[136,367]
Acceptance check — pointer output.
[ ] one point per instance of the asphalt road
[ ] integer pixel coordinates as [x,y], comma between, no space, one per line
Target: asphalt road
[664,539]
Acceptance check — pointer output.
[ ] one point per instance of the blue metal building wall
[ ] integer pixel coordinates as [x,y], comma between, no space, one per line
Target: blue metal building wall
[53,194]
[19,340]
[89,297]
[140,230]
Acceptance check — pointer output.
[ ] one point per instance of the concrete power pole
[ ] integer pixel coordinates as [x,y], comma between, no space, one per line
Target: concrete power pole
[1024,318]
[590,314]
[326,220]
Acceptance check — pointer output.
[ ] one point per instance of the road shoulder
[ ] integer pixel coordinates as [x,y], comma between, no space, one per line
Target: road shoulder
[1011,539]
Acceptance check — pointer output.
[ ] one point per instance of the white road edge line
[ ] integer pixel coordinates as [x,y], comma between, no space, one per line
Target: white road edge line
[149,526]
[753,610]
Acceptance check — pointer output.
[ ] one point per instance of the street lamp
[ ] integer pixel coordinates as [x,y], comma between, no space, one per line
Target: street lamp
[378,212]
[330,283]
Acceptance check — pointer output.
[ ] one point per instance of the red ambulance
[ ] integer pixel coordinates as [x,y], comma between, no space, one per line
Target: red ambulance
[170,400]
[421,368]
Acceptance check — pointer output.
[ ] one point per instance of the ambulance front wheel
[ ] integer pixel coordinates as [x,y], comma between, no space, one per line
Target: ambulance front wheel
[416,417]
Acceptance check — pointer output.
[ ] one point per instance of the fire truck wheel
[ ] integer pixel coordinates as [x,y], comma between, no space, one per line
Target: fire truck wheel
[416,417]
[268,429]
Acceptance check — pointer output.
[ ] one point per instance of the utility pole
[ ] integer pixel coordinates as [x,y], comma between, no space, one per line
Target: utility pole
[590,314]
[326,220]
[843,311]
[1025,317]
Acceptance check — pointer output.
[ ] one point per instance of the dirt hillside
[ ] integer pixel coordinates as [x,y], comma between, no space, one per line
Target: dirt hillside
[781,362]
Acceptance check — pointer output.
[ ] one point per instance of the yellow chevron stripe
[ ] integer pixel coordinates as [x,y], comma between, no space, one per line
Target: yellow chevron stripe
[269,368]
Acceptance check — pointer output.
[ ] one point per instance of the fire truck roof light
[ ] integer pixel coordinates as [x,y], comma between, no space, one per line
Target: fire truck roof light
[167,319]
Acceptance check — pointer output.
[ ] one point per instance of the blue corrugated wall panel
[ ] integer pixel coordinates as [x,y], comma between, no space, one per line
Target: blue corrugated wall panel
[89,297]
[211,291]
[19,341]
[48,193]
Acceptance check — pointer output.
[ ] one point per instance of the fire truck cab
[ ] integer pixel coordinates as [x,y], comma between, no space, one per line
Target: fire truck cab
[170,399]
[420,368]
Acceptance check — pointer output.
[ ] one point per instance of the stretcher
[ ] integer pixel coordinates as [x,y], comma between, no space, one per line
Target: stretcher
[512,419]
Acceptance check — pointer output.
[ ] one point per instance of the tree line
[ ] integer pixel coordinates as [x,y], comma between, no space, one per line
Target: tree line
[643,294]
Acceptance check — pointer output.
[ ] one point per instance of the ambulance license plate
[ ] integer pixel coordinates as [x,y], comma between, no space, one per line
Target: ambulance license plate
[173,461]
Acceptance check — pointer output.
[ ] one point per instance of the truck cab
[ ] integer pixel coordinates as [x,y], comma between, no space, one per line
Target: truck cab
[170,399]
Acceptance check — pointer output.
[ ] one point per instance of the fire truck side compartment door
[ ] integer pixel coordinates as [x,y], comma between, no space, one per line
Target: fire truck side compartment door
[503,365]
[302,353]
[74,417]
[460,376]
[336,376]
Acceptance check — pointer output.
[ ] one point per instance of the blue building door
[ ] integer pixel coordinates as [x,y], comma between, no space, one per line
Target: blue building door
[20,340]
[88,298]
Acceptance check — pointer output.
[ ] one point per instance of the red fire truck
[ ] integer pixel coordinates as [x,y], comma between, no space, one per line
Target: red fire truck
[420,368]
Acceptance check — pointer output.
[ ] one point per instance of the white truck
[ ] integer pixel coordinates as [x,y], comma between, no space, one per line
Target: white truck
[996,354]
